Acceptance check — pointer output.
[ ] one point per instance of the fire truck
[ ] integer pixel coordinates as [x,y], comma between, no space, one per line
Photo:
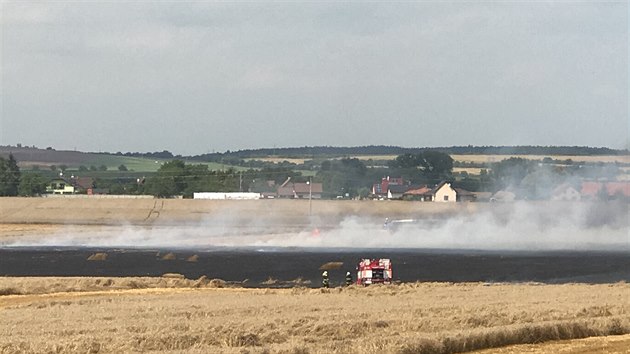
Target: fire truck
[374,271]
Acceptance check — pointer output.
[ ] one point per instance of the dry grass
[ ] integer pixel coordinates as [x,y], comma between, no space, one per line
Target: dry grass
[409,318]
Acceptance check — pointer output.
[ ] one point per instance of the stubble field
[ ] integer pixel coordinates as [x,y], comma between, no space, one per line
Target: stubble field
[174,315]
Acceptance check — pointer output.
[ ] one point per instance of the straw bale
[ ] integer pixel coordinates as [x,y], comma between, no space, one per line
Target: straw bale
[331,266]
[99,256]
[169,257]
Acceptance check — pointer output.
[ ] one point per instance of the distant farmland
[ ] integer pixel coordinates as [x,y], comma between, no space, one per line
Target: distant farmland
[32,158]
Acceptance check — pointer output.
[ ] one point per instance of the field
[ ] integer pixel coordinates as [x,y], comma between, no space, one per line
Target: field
[172,315]
[477,158]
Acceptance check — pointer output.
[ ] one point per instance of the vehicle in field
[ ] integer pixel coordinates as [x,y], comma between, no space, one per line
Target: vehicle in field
[374,271]
[393,225]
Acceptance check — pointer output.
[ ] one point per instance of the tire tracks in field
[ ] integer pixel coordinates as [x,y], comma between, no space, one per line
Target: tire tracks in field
[154,213]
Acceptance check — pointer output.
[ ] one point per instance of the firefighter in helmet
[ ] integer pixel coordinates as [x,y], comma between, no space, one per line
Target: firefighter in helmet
[348,279]
[325,281]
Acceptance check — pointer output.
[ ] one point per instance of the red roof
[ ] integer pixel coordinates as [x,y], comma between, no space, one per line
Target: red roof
[419,191]
[614,188]
[591,189]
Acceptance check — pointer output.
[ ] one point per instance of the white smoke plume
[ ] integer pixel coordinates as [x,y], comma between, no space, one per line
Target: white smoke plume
[520,226]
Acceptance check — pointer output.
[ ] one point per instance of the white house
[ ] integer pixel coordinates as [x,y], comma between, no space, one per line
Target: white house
[443,192]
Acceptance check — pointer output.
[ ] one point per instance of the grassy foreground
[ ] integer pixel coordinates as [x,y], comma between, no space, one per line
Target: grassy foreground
[177,315]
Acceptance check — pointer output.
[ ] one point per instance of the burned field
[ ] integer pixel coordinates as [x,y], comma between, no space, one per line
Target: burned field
[277,268]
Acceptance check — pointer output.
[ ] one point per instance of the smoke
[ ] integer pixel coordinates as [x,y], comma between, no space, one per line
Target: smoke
[519,226]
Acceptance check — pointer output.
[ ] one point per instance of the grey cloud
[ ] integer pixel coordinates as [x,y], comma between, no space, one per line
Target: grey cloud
[322,74]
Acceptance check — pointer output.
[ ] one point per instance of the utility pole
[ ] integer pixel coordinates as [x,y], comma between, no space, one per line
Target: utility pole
[310,196]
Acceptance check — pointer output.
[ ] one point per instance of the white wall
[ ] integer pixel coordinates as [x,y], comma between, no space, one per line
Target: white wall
[226,196]
[446,191]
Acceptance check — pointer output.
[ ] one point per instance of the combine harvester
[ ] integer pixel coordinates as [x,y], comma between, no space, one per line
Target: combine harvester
[374,271]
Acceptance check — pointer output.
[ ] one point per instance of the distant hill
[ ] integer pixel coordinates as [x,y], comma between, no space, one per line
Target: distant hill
[150,161]
[29,157]
[331,151]
[36,156]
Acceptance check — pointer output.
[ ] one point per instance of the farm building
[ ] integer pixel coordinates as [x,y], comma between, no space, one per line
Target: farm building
[226,196]
[300,190]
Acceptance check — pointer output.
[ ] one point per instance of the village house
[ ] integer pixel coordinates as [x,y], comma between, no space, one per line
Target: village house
[72,185]
[607,190]
[423,194]
[300,190]
[443,192]
[382,189]
[60,185]
[396,191]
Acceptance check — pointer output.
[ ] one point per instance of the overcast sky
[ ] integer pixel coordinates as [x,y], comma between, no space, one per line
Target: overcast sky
[198,77]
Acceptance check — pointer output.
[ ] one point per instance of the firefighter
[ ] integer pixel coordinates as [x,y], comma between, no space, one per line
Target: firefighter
[348,279]
[325,282]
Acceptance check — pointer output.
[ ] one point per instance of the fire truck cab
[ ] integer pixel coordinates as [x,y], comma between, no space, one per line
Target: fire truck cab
[374,271]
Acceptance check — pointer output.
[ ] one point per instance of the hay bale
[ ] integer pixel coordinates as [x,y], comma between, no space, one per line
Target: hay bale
[173,276]
[169,257]
[193,258]
[99,256]
[331,266]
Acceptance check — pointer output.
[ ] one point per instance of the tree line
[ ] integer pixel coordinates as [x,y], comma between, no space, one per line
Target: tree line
[347,177]
[331,151]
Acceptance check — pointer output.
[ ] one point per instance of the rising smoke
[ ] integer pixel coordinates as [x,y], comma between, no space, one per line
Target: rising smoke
[519,226]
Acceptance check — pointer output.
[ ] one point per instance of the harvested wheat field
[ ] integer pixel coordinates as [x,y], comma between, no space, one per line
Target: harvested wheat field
[178,315]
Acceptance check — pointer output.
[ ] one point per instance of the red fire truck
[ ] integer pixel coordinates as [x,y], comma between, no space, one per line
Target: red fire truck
[374,271]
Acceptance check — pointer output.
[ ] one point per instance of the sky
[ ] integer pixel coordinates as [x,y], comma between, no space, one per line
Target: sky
[197,77]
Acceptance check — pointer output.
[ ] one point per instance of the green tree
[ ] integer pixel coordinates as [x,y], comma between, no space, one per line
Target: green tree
[122,168]
[102,168]
[83,168]
[427,166]
[169,179]
[436,165]
[343,176]
[9,176]
[510,172]
[31,184]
